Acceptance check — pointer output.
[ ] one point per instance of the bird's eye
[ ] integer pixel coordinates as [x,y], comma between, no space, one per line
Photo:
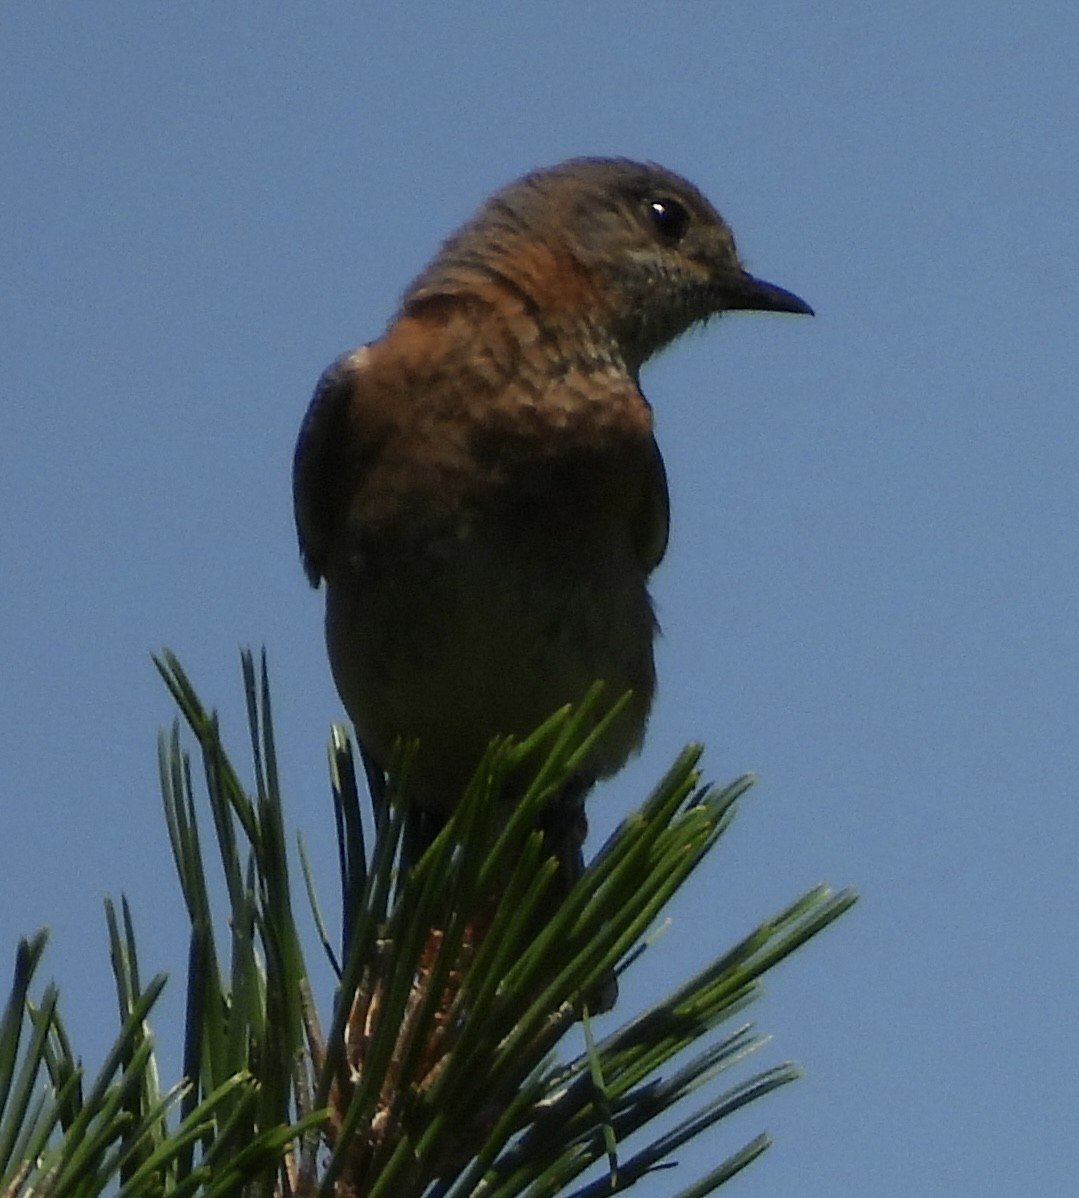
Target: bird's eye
[669,218]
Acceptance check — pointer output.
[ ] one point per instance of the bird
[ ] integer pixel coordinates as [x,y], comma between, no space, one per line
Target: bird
[481,490]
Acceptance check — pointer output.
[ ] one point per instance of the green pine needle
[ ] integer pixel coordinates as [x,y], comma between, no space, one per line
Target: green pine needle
[445,1070]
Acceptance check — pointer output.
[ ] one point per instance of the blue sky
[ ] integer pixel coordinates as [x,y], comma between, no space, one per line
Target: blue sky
[870,593]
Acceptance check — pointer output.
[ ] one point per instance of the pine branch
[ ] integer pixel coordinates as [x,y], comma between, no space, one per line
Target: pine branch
[443,1069]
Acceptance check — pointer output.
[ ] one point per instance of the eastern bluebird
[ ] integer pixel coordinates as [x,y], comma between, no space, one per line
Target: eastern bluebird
[481,489]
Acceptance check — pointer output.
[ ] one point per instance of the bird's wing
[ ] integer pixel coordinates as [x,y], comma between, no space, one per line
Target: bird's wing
[322,472]
[654,517]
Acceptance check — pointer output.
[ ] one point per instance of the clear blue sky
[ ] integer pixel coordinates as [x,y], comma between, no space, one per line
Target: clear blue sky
[870,594]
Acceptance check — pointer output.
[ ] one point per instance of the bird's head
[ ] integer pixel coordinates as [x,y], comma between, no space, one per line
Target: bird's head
[633,247]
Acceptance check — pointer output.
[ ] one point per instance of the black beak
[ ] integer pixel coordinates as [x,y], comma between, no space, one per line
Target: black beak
[755,295]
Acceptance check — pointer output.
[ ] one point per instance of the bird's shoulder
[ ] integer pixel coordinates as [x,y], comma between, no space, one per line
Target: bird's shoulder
[397,391]
[653,525]
[335,442]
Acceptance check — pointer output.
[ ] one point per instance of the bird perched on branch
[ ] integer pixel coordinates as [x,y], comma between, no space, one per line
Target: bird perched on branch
[480,489]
